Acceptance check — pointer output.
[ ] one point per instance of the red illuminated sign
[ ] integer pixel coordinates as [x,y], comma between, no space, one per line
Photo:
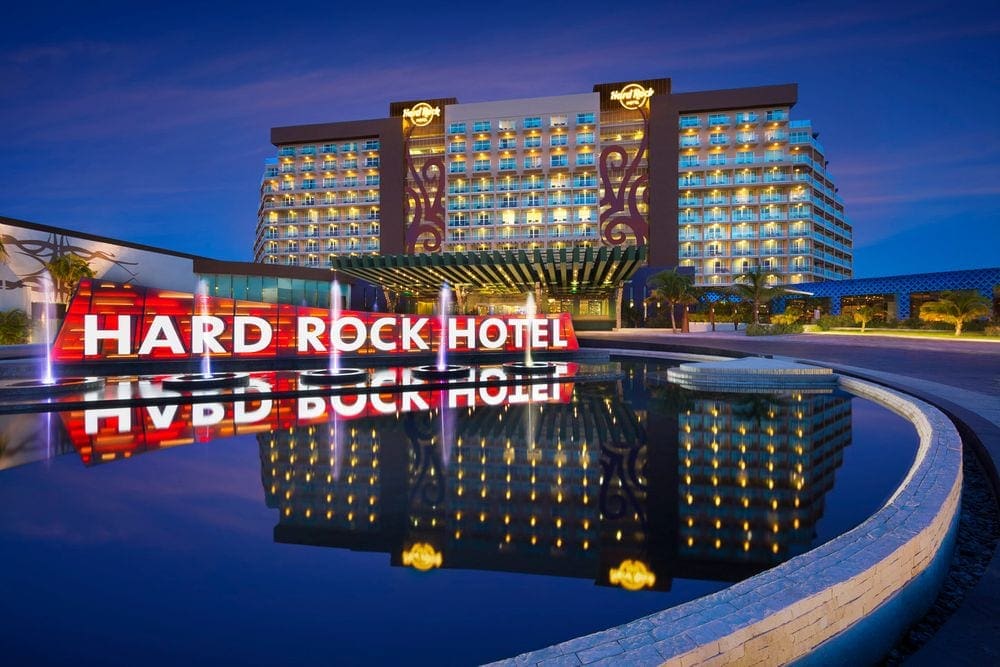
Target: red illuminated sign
[111,321]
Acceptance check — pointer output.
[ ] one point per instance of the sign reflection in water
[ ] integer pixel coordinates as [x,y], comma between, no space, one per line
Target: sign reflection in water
[562,479]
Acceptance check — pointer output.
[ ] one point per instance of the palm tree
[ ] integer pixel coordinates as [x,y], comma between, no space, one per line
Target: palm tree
[752,286]
[66,272]
[673,288]
[956,308]
[864,315]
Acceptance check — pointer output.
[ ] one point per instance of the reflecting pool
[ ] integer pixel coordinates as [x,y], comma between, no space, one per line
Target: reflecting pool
[446,526]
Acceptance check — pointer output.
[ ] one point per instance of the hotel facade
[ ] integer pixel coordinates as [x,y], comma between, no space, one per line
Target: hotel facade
[719,181]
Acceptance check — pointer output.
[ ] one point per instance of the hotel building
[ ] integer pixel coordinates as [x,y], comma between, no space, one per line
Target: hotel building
[719,181]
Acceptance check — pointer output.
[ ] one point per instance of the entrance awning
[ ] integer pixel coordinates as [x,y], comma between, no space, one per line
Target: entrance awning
[563,272]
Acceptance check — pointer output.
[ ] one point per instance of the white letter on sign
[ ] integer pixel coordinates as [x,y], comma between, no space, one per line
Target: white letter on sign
[161,334]
[240,345]
[309,331]
[204,330]
[412,339]
[91,334]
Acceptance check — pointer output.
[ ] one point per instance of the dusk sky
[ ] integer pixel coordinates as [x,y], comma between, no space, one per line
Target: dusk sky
[151,124]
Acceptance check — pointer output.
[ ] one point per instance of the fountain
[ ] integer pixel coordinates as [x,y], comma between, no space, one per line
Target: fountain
[529,366]
[206,379]
[442,370]
[48,383]
[333,374]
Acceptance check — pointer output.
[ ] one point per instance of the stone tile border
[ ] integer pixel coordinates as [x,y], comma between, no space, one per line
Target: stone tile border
[785,613]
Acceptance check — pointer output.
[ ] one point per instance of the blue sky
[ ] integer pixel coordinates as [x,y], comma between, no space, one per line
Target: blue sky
[152,124]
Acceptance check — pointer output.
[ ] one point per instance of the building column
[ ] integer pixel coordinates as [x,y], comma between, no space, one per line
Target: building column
[903,306]
[619,294]
[835,305]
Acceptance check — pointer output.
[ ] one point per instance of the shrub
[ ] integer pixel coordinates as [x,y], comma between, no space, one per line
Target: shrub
[15,327]
[992,330]
[773,329]
[827,322]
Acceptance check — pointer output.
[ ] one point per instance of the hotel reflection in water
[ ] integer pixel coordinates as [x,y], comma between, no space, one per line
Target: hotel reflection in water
[691,486]
[562,479]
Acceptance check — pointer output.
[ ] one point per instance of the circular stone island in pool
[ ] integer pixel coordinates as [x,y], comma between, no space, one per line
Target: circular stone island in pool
[530,367]
[329,377]
[206,381]
[30,388]
[449,372]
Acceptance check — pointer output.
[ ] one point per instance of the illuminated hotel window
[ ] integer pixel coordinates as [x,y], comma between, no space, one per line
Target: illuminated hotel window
[350,181]
[532,122]
[689,160]
[457,146]
[746,117]
[559,160]
[533,142]
[584,137]
[689,121]
[350,163]
[311,150]
[481,126]
[532,161]
[508,201]
[584,118]
[371,145]
[481,165]
[583,159]
[371,179]
[349,147]
[329,148]
[507,124]
[558,121]
[558,139]
[371,161]
[481,145]
[456,167]
[507,142]
[717,159]
[329,182]
[456,128]
[309,199]
[508,163]
[484,218]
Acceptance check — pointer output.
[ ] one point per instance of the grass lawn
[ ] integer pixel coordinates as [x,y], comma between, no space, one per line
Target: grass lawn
[910,333]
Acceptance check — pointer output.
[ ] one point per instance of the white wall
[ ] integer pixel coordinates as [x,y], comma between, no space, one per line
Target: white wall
[30,249]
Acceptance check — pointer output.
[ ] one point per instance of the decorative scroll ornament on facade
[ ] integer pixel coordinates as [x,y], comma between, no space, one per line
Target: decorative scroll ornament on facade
[622,218]
[425,185]
[631,96]
[421,114]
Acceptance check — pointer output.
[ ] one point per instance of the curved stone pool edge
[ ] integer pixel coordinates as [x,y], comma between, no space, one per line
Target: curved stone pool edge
[846,600]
